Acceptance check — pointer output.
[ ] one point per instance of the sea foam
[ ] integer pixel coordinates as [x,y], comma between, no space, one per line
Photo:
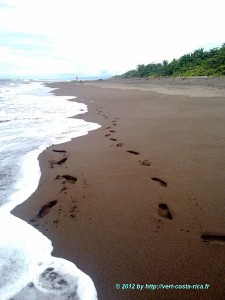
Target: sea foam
[35,120]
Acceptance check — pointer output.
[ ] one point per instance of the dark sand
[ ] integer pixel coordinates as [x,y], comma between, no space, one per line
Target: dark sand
[145,203]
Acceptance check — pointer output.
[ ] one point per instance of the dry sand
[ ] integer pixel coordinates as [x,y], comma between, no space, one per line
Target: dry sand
[145,203]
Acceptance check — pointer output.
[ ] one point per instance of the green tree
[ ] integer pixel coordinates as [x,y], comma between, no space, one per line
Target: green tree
[198,63]
[141,70]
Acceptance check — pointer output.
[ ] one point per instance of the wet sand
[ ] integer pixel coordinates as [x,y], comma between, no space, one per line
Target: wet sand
[140,200]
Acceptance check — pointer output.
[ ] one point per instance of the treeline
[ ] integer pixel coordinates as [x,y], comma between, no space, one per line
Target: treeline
[198,63]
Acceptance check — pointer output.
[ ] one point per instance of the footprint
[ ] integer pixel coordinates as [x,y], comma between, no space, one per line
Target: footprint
[133,152]
[60,162]
[119,145]
[161,182]
[70,178]
[164,211]
[112,131]
[215,238]
[45,209]
[145,163]
[113,140]
[60,151]
[107,134]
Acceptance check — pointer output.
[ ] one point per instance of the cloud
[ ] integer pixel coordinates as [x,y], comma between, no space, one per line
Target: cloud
[88,36]
[27,42]
[4,4]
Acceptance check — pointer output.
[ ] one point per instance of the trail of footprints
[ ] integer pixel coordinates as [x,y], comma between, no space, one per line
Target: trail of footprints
[163,210]
[66,181]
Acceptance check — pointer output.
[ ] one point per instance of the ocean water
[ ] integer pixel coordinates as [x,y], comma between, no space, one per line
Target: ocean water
[31,119]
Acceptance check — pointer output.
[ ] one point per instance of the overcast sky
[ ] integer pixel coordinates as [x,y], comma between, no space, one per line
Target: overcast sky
[91,37]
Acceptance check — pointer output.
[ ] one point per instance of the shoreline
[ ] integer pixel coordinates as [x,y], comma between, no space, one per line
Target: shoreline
[23,248]
[142,198]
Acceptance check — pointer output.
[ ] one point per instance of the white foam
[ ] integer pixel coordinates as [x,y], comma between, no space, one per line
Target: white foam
[24,252]
[27,269]
[61,280]
[30,169]
[25,258]
[34,120]
[27,184]
[43,104]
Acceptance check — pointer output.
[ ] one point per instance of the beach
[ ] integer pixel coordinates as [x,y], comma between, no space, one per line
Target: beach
[139,201]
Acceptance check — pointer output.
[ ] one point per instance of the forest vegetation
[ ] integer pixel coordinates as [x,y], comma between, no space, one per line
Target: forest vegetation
[197,63]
